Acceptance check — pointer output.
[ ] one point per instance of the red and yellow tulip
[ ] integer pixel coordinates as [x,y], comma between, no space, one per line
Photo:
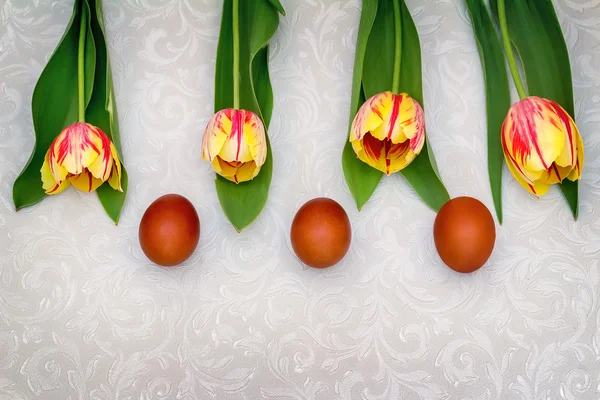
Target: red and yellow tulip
[235,144]
[388,131]
[542,145]
[83,156]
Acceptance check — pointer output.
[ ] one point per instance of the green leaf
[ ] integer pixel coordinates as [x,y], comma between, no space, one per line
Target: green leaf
[54,104]
[378,72]
[362,179]
[278,6]
[422,173]
[102,111]
[242,203]
[378,56]
[497,92]
[536,34]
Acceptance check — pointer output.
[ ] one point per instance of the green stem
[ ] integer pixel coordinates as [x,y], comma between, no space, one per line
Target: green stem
[81,63]
[236,54]
[510,55]
[398,48]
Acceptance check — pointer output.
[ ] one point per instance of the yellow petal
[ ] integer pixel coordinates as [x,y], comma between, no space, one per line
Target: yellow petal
[568,156]
[114,180]
[58,188]
[412,119]
[246,140]
[48,180]
[235,171]
[576,172]
[533,133]
[224,168]
[85,182]
[404,121]
[246,172]
[77,147]
[49,185]
[371,115]
[555,174]
[58,171]
[383,154]
[102,165]
[255,138]
[535,187]
[216,134]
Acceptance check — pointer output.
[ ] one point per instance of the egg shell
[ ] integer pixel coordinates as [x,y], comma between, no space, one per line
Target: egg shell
[464,234]
[321,233]
[169,230]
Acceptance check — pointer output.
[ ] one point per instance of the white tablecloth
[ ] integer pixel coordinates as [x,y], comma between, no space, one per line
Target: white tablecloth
[84,315]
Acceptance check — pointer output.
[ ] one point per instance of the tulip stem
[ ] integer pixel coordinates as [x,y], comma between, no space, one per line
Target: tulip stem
[236,54]
[398,48]
[81,63]
[510,55]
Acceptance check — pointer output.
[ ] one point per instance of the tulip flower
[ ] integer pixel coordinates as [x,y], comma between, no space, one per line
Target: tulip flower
[235,144]
[388,131]
[542,145]
[83,156]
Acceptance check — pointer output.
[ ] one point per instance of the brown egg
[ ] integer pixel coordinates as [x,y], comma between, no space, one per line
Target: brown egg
[464,234]
[169,230]
[321,233]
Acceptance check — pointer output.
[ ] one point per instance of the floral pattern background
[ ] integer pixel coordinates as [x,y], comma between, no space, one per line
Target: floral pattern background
[84,315]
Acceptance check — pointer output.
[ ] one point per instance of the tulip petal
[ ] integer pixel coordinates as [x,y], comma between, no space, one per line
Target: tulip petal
[216,134]
[536,188]
[58,171]
[235,171]
[50,185]
[371,115]
[556,174]
[102,165]
[568,156]
[224,168]
[85,181]
[246,172]
[576,172]
[533,134]
[391,128]
[255,138]
[404,121]
[383,155]
[114,180]
[77,146]
[235,147]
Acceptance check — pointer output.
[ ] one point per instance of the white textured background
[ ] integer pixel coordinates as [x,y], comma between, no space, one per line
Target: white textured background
[83,315]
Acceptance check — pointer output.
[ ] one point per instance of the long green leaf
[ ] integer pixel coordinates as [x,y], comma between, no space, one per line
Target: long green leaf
[102,111]
[242,203]
[54,103]
[422,173]
[377,76]
[497,92]
[536,33]
[361,178]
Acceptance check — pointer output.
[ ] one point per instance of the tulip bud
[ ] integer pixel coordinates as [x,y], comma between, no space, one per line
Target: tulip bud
[388,131]
[83,156]
[235,144]
[542,145]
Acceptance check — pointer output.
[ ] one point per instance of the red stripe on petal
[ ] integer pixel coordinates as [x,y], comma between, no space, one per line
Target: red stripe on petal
[507,153]
[523,129]
[566,121]
[237,129]
[396,101]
